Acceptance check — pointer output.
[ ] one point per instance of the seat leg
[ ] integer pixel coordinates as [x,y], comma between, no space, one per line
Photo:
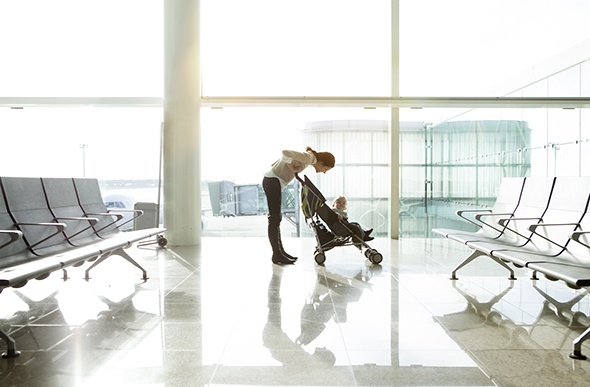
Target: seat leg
[121,252]
[577,353]
[128,258]
[471,257]
[11,346]
[504,265]
[95,263]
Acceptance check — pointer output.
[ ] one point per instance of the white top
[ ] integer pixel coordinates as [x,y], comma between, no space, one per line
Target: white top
[298,161]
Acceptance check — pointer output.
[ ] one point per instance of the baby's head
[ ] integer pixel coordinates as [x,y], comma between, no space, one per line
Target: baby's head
[340,203]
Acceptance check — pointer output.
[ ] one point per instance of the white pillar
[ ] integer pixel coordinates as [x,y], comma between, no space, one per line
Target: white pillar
[394,136]
[182,176]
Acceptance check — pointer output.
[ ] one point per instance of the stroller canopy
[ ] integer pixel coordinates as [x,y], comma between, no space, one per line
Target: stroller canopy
[311,197]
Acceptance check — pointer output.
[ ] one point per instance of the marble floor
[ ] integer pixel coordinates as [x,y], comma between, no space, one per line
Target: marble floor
[221,314]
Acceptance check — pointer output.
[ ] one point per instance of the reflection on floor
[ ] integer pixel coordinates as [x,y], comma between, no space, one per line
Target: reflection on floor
[222,314]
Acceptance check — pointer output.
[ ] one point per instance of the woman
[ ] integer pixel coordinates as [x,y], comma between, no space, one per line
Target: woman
[276,179]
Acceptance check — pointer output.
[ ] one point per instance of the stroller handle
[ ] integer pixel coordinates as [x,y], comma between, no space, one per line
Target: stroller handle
[312,188]
[299,179]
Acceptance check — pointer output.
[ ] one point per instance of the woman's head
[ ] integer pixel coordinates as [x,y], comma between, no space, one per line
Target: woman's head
[324,160]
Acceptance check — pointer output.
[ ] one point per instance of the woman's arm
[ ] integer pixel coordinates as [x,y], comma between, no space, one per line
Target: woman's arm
[297,161]
[302,157]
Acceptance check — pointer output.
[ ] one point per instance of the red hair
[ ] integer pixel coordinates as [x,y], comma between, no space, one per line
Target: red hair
[326,158]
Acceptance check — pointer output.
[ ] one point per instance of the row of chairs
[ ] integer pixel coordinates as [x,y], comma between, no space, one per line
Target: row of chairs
[50,224]
[541,224]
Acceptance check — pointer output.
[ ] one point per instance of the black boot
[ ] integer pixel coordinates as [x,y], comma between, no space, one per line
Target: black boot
[274,236]
[283,252]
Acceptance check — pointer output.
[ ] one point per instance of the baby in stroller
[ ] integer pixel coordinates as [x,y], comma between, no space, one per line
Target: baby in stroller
[339,206]
[341,232]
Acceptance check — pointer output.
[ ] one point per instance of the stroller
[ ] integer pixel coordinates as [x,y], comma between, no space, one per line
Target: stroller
[329,231]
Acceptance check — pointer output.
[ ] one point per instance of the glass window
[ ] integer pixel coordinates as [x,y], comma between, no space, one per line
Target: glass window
[118,146]
[585,79]
[296,47]
[242,143]
[565,83]
[304,48]
[585,143]
[467,155]
[563,146]
[465,47]
[91,48]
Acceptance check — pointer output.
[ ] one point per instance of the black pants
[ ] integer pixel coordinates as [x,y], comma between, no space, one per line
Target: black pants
[272,189]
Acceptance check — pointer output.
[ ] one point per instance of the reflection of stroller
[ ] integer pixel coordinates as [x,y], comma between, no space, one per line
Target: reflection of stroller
[337,233]
[330,298]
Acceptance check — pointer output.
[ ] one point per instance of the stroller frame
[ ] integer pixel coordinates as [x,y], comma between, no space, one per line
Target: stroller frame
[329,231]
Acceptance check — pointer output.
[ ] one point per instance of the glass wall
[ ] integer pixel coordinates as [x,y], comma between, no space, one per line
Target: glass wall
[89,48]
[244,142]
[362,173]
[472,48]
[118,146]
[296,47]
[342,48]
[459,163]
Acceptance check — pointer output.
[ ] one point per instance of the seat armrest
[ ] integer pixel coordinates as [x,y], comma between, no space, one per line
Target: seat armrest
[479,216]
[576,237]
[577,234]
[60,227]
[12,234]
[137,214]
[460,212]
[92,221]
[129,210]
[533,227]
[504,222]
[119,216]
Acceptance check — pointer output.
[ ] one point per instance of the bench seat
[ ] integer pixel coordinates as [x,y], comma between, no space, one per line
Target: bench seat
[18,274]
[50,224]
[565,269]
[532,204]
[506,203]
[65,220]
[547,233]
[44,239]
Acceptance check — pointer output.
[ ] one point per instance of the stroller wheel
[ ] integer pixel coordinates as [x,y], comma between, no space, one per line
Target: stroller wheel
[320,258]
[376,257]
[368,253]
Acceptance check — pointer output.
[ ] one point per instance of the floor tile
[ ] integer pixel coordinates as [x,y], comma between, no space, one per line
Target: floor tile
[222,314]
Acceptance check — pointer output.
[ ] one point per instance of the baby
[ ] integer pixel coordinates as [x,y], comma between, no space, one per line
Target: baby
[339,206]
